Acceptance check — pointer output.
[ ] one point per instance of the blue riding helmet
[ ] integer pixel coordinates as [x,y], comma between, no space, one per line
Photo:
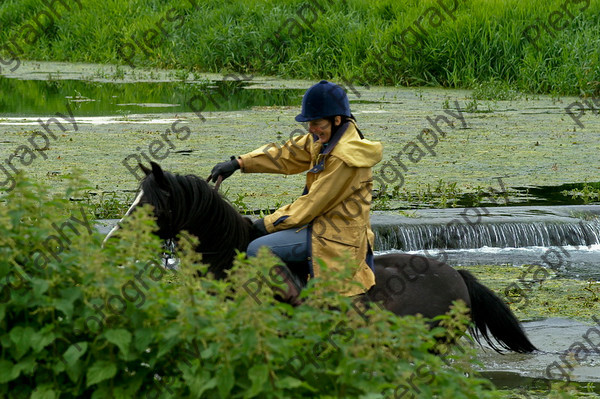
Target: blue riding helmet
[322,100]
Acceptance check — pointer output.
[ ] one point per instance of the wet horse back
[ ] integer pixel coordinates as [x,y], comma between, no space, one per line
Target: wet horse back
[412,284]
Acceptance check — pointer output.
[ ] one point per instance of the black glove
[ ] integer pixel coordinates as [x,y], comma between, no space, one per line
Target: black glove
[224,169]
[259,227]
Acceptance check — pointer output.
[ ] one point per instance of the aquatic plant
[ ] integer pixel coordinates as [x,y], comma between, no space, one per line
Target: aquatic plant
[588,193]
[495,90]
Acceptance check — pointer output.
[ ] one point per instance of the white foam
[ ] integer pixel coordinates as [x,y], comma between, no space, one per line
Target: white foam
[496,250]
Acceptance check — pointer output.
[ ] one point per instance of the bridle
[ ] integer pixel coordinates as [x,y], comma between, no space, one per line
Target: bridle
[169,244]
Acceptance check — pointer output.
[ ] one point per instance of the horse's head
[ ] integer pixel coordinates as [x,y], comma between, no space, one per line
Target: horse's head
[156,190]
[189,203]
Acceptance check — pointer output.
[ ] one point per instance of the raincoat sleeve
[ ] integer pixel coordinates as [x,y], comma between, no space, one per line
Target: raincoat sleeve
[293,157]
[330,189]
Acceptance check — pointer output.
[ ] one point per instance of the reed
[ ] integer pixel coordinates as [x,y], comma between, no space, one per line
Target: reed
[482,41]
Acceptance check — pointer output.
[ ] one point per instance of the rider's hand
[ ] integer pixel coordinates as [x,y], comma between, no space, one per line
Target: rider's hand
[259,227]
[224,169]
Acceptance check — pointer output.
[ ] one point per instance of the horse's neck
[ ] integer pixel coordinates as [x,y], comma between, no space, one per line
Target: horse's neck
[221,231]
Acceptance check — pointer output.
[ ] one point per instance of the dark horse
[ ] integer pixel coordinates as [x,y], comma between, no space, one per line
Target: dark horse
[405,284]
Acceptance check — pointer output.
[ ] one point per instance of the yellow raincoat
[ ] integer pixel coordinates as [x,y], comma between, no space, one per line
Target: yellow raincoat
[336,201]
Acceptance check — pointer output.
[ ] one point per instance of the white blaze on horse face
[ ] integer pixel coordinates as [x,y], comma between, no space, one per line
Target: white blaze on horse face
[135,203]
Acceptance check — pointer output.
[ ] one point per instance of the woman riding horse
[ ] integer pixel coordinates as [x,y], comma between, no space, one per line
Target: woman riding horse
[331,218]
[188,203]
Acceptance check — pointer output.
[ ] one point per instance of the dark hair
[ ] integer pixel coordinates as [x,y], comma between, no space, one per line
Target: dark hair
[335,128]
[345,119]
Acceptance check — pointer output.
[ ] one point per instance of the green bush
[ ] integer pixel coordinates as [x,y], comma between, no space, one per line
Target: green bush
[80,320]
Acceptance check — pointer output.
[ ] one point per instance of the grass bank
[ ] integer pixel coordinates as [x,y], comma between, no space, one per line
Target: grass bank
[533,46]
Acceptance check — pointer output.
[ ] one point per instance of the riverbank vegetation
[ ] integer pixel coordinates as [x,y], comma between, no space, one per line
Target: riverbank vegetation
[533,46]
[81,320]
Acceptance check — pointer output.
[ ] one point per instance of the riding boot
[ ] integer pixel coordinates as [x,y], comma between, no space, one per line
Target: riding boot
[292,294]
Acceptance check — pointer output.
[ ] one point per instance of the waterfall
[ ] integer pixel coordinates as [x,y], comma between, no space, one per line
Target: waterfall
[501,232]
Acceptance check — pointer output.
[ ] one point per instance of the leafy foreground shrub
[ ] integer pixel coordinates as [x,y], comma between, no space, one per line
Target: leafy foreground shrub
[78,320]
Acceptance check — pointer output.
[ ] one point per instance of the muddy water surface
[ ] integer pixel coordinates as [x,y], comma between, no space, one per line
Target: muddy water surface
[564,355]
[527,142]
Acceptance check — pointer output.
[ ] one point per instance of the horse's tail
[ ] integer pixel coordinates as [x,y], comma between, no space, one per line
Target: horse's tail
[492,316]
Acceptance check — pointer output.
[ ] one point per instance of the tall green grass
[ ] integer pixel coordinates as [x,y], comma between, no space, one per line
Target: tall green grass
[484,43]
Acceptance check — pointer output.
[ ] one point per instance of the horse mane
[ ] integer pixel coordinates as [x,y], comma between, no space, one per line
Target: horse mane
[189,203]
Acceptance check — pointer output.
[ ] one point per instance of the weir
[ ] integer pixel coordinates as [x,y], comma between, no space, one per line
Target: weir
[565,236]
[500,227]
[472,228]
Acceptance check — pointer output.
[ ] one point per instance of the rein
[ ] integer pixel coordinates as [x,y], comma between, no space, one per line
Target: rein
[218,182]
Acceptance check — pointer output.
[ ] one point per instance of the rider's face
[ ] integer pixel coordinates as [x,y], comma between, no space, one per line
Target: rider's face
[322,128]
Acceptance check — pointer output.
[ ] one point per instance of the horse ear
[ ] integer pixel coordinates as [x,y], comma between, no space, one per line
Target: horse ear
[145,169]
[159,176]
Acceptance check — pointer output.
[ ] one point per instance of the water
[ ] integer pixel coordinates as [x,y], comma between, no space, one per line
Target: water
[43,97]
[499,144]
[552,337]
[467,228]
[563,194]
[571,261]
[515,236]
[502,235]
